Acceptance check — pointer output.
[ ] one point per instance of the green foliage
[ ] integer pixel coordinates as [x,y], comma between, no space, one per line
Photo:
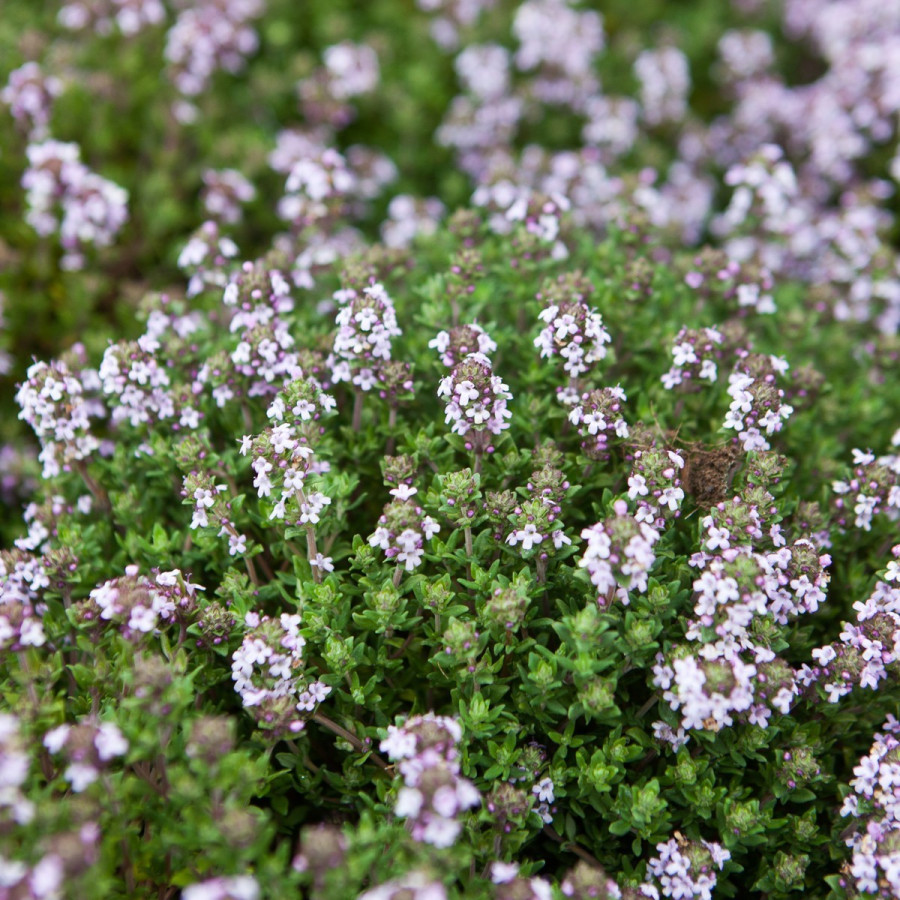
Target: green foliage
[544,682]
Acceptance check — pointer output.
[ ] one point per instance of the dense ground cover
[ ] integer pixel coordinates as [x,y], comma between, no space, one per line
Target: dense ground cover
[547,547]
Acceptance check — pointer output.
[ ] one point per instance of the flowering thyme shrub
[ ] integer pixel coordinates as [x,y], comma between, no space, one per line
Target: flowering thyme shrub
[361,548]
[380,588]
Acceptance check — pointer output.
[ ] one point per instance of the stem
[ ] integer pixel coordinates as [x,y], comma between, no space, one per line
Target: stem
[127,865]
[646,761]
[142,770]
[307,762]
[402,648]
[541,574]
[643,710]
[577,849]
[251,571]
[98,492]
[351,738]
[398,576]
[247,416]
[312,553]
[392,425]
[357,411]
[478,455]
[267,569]
[248,562]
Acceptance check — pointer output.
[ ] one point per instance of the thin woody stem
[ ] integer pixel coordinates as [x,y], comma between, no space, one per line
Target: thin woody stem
[312,553]
[357,410]
[98,492]
[350,738]
[392,426]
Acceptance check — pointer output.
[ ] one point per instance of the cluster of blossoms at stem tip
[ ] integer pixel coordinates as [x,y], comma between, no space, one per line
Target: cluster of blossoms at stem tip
[764,203]
[22,578]
[455,345]
[531,764]
[410,217]
[434,793]
[16,763]
[749,286]
[452,16]
[224,191]
[349,70]
[873,489]
[65,196]
[103,16]
[42,519]
[739,583]
[587,881]
[282,455]
[367,323]
[509,804]
[403,529]
[87,747]
[267,670]
[654,485]
[207,36]
[537,518]
[874,809]
[734,672]
[757,403]
[619,554]
[475,401]
[54,404]
[696,357]
[138,604]
[665,81]
[598,415]
[29,94]
[684,869]
[67,857]
[539,216]
[750,518]
[744,53]
[318,188]
[137,381]
[572,330]
[224,887]
[211,508]
[559,42]
[205,257]
[868,651]
[412,886]
[353,69]
[259,296]
[509,885]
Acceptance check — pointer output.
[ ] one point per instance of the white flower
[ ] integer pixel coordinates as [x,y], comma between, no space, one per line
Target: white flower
[502,873]
[56,738]
[80,776]
[543,790]
[322,562]
[110,742]
[237,544]
[529,536]
[409,802]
